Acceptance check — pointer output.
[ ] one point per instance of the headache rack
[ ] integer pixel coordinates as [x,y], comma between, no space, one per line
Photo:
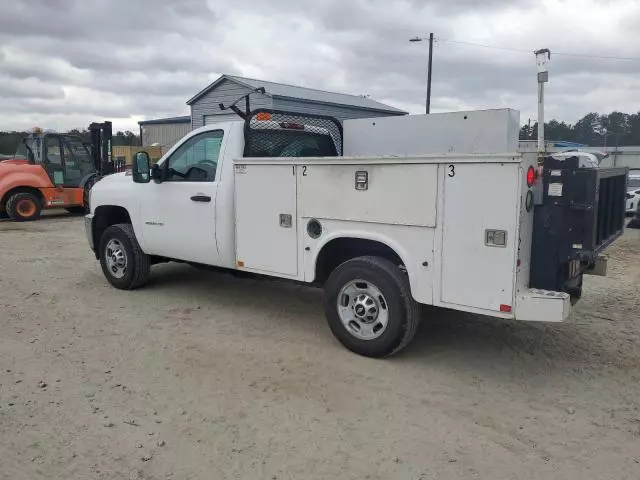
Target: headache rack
[582,212]
[275,133]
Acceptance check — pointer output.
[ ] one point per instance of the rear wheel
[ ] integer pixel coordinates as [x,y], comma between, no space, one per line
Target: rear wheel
[23,207]
[122,260]
[369,307]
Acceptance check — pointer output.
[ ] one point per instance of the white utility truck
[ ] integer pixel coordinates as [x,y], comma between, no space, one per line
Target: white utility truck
[436,210]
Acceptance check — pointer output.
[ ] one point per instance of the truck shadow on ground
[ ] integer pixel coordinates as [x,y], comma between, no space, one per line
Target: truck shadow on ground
[458,339]
[475,341]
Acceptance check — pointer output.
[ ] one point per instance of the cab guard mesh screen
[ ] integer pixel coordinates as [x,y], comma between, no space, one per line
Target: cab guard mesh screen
[273,133]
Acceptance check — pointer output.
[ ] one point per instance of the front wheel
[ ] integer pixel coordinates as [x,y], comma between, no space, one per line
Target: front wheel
[123,262]
[24,207]
[369,307]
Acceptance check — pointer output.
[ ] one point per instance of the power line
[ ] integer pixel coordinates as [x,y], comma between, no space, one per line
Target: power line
[471,44]
[605,57]
[517,50]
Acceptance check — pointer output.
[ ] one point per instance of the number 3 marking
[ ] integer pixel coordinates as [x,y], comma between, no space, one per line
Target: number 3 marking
[452,171]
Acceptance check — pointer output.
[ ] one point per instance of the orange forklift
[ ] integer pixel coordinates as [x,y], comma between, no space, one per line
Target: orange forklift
[54,170]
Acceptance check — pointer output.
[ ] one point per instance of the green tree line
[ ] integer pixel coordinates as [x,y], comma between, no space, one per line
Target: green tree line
[596,130]
[9,140]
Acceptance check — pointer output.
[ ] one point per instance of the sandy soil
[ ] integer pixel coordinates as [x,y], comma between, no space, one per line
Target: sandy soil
[208,376]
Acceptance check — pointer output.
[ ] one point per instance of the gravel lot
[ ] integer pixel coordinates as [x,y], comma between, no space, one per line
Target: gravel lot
[205,375]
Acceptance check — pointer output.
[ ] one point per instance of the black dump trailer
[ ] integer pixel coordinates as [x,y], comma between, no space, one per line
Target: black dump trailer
[581,212]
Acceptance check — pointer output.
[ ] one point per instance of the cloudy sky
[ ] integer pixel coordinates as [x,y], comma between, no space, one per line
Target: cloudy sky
[65,63]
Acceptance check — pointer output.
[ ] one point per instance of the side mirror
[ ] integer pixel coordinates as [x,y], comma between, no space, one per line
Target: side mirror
[141,168]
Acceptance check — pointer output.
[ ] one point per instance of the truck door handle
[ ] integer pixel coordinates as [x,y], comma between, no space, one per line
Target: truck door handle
[201,198]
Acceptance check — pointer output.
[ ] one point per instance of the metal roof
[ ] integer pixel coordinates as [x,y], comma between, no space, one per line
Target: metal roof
[301,93]
[185,119]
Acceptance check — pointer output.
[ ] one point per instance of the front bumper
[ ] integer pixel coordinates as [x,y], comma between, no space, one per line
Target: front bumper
[88,227]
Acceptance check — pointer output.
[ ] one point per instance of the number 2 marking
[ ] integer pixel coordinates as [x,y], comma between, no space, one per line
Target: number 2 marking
[452,171]
[304,170]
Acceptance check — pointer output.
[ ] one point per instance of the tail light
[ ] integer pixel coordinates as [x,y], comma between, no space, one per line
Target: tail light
[531,176]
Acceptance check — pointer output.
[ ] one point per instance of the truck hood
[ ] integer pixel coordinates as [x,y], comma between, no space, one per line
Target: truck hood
[115,179]
[117,189]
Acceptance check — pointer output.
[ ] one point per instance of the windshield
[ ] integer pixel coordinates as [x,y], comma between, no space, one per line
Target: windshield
[77,155]
[289,143]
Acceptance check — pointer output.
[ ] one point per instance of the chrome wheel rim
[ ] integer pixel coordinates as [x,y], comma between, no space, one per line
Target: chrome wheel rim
[363,310]
[116,258]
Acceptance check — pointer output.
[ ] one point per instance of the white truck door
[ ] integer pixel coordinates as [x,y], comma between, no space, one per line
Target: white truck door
[479,234]
[266,218]
[178,215]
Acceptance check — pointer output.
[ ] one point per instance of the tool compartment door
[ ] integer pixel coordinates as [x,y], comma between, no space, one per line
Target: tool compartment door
[266,227]
[479,198]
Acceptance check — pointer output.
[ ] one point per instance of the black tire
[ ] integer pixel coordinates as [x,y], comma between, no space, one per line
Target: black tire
[138,265]
[86,208]
[24,207]
[76,210]
[403,311]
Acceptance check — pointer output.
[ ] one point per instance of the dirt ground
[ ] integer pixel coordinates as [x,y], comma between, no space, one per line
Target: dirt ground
[204,375]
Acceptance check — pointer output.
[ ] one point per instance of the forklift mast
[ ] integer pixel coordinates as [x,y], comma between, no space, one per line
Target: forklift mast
[101,136]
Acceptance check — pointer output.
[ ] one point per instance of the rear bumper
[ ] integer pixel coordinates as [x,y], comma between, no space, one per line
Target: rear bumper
[536,305]
[88,227]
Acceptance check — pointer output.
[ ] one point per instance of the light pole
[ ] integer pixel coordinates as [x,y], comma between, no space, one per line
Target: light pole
[542,58]
[419,39]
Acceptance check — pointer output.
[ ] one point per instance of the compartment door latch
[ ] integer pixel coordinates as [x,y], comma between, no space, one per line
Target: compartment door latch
[286,220]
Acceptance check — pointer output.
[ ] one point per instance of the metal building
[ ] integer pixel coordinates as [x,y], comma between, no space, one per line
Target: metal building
[124,154]
[164,132]
[205,107]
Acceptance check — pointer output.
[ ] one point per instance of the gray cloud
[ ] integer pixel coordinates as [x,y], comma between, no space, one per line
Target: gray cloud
[144,59]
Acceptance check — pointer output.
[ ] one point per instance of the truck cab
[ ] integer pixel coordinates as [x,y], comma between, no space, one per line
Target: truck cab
[191,187]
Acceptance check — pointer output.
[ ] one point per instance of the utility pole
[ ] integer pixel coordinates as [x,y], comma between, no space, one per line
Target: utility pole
[542,57]
[419,39]
[429,74]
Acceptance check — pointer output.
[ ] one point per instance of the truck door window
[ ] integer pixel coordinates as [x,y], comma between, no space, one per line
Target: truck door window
[197,159]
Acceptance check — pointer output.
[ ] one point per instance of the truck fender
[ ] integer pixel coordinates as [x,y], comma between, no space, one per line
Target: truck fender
[12,181]
[390,243]
[103,217]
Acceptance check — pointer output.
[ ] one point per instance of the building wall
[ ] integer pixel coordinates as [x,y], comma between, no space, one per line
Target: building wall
[221,117]
[126,153]
[164,134]
[226,92]
[339,112]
